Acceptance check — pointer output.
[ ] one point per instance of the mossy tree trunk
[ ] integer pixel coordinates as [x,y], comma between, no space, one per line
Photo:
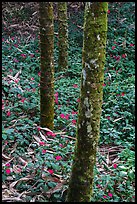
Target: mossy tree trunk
[90,108]
[47,64]
[63,36]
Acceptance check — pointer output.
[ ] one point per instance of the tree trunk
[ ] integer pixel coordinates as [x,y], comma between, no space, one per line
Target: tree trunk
[63,36]
[88,126]
[47,65]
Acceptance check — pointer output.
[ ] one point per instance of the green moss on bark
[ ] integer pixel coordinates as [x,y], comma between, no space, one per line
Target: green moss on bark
[47,65]
[88,127]
[63,36]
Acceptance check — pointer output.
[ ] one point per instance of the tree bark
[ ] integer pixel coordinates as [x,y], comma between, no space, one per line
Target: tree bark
[63,36]
[47,65]
[90,108]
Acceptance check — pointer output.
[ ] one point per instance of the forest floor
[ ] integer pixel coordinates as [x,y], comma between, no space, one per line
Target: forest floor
[36,162]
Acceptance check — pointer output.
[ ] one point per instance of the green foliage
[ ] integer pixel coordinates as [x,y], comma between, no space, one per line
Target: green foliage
[20,113]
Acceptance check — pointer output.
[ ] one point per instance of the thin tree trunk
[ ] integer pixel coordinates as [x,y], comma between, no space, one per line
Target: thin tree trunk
[63,36]
[88,127]
[47,65]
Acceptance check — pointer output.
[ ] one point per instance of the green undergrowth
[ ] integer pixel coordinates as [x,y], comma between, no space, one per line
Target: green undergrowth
[37,164]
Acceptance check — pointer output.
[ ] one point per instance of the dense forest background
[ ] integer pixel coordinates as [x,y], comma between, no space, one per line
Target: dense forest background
[36,164]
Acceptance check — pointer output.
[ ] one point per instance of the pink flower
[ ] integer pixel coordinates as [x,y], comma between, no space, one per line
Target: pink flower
[117,57]
[32,78]
[98,186]
[108,117]
[131,45]
[115,42]
[2,106]
[31,55]
[10,70]
[44,151]
[38,128]
[8,113]
[41,143]
[16,81]
[73,112]
[78,100]
[74,122]
[15,60]
[104,85]
[37,51]
[104,196]
[15,45]
[23,55]
[75,85]
[22,100]
[2,39]
[124,56]
[12,38]
[110,195]
[108,11]
[8,171]
[67,116]
[115,166]
[39,73]
[56,97]
[113,47]
[50,171]
[62,115]
[58,158]
[61,145]
[122,94]
[8,164]
[51,134]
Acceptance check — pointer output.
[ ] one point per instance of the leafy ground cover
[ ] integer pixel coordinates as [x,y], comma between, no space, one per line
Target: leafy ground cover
[36,161]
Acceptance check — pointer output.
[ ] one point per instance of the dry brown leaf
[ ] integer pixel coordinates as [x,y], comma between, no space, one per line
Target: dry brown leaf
[22,179]
[5,157]
[53,190]
[37,138]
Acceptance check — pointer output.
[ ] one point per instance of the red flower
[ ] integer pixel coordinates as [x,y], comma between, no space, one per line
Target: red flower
[67,116]
[115,166]
[44,151]
[8,164]
[31,55]
[73,112]
[50,171]
[104,196]
[16,81]
[32,78]
[62,115]
[108,117]
[8,171]
[75,85]
[78,100]
[8,113]
[41,143]
[38,128]
[58,158]
[122,94]
[131,45]
[124,56]
[15,60]
[22,100]
[108,11]
[56,97]
[15,45]
[51,134]
[39,73]
[104,85]
[110,195]
[23,55]
[113,47]
[74,122]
